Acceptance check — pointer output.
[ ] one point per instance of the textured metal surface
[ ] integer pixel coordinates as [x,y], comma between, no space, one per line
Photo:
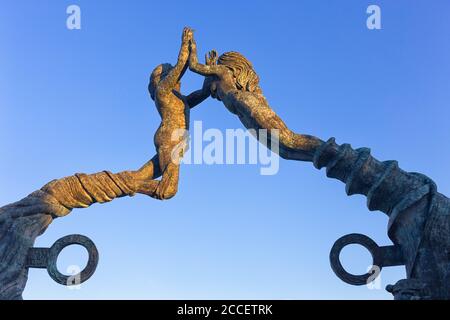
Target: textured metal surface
[46,258]
[381,257]
[419,216]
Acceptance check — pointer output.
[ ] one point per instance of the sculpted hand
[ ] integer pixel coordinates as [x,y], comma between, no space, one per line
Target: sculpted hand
[183,56]
[192,46]
[187,35]
[192,52]
[211,58]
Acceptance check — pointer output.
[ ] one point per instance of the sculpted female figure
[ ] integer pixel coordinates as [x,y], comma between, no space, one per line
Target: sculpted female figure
[236,84]
[419,216]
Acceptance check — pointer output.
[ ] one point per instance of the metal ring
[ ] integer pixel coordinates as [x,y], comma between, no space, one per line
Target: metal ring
[354,238]
[56,249]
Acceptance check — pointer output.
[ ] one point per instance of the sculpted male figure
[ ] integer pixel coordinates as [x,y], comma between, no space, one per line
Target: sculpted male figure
[174,109]
[21,222]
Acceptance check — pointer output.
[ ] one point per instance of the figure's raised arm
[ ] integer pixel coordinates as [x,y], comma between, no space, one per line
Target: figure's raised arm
[204,70]
[180,68]
[198,96]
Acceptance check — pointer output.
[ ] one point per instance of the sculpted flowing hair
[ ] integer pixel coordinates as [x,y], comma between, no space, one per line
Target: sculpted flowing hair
[243,72]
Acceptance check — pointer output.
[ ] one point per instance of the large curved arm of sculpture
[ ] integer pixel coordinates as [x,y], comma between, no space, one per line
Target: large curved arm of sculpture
[23,221]
[82,190]
[419,216]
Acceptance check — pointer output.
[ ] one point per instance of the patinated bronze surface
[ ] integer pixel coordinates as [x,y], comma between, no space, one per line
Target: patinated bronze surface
[174,108]
[46,258]
[419,216]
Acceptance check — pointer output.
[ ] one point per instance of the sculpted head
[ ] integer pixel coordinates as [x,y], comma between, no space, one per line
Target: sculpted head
[244,75]
[158,74]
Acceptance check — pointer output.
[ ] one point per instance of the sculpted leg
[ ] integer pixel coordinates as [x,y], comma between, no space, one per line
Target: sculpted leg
[168,185]
[149,171]
[170,156]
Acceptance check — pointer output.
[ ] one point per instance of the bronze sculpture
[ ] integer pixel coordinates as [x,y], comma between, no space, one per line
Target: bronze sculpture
[419,216]
[173,107]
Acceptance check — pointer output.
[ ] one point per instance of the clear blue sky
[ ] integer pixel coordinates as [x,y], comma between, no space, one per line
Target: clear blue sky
[77,101]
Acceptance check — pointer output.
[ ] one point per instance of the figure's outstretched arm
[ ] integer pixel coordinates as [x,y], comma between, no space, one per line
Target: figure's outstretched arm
[181,66]
[204,70]
[197,97]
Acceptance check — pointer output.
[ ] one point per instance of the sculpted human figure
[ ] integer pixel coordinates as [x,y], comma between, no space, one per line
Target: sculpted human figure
[236,84]
[173,107]
[419,216]
[21,222]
